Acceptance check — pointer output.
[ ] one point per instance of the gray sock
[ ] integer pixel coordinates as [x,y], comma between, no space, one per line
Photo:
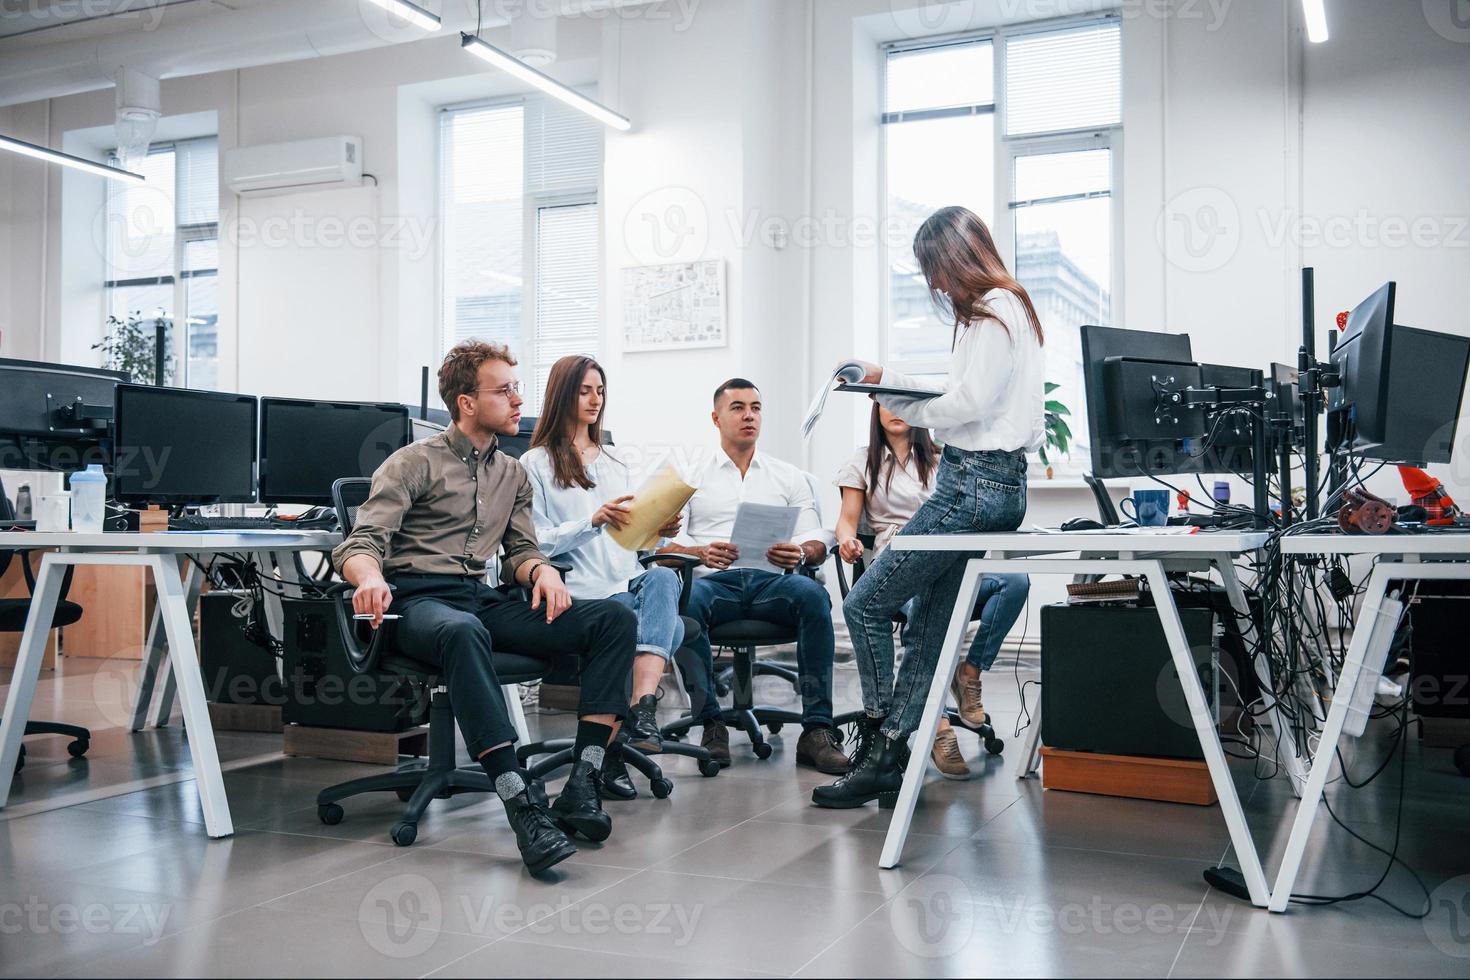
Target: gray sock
[594,754]
[509,785]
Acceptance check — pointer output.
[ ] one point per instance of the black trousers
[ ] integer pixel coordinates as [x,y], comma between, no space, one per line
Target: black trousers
[451,623]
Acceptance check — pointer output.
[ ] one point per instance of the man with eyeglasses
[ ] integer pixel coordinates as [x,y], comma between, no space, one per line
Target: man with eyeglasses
[439,511]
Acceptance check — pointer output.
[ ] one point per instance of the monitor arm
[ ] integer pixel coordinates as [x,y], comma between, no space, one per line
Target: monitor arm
[1171,399]
[77,414]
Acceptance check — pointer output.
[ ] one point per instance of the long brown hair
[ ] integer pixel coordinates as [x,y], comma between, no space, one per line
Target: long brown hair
[960,264]
[559,414]
[921,451]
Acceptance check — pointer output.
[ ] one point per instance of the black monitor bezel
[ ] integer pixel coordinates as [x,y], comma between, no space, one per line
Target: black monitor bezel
[262,468]
[120,490]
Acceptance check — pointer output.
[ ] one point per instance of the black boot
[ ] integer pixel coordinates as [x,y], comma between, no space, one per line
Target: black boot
[578,810]
[542,843]
[867,728]
[642,727]
[615,784]
[878,777]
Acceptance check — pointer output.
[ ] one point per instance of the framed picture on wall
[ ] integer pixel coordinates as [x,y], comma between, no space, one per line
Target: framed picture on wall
[674,307]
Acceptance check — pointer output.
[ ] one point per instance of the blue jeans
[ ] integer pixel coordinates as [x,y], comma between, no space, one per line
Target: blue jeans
[973,491]
[654,597]
[787,600]
[1002,597]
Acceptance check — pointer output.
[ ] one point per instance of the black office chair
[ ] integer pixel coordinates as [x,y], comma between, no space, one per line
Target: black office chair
[743,637]
[993,744]
[13,613]
[417,783]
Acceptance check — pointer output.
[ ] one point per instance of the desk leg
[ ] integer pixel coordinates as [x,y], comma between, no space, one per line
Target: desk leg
[184,659]
[153,663]
[1285,742]
[1347,680]
[1209,738]
[28,667]
[913,776]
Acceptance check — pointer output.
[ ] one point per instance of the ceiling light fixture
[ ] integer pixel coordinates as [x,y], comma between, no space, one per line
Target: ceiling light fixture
[511,64]
[67,160]
[1315,12]
[411,12]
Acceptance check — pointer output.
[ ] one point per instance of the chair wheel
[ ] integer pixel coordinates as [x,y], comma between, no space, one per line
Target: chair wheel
[403,834]
[708,768]
[20,760]
[329,813]
[661,788]
[995,746]
[762,750]
[723,690]
[79,747]
[404,795]
[775,727]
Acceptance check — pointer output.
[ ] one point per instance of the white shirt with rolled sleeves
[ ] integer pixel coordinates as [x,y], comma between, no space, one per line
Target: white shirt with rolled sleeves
[710,514]
[995,395]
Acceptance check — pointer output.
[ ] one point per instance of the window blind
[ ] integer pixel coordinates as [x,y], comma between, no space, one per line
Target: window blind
[1063,80]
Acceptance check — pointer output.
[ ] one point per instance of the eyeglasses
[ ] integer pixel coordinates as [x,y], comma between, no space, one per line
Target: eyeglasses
[508,390]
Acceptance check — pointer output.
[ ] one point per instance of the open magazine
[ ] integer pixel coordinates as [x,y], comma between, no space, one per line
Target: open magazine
[848,377]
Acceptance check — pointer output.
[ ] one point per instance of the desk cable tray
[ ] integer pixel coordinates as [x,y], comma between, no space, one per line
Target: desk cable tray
[1117,590]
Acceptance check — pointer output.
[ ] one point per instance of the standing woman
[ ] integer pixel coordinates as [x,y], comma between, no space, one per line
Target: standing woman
[989,416]
[883,485]
[581,489]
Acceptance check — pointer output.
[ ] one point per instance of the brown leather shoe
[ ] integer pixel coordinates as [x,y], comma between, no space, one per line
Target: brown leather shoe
[716,739]
[946,754]
[967,696]
[821,749]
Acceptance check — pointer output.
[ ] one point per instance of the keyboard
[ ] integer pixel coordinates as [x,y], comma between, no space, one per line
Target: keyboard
[192,522]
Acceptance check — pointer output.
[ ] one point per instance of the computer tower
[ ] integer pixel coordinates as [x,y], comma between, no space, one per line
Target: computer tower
[1108,682]
[321,689]
[1441,677]
[238,668]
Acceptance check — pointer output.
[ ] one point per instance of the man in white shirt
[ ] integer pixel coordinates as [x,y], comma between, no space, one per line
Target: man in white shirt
[722,594]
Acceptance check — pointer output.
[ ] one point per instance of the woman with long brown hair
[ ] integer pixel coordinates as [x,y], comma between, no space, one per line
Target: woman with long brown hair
[988,415]
[883,486]
[581,489]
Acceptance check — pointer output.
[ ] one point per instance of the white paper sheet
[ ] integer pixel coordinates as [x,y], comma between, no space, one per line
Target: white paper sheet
[757,528]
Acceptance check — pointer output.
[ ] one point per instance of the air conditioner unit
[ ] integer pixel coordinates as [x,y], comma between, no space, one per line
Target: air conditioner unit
[288,168]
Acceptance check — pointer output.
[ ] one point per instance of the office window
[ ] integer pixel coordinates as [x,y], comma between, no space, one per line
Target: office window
[162,253]
[521,234]
[1052,168]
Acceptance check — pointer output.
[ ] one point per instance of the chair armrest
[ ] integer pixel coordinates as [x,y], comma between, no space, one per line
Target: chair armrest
[681,563]
[363,656]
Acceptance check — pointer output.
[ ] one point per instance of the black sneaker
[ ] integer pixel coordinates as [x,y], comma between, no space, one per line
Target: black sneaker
[642,726]
[578,810]
[541,842]
[615,783]
[716,740]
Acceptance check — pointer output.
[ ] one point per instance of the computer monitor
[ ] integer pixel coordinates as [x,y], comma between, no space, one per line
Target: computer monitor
[55,416]
[1230,437]
[181,448]
[1128,436]
[1399,389]
[305,446]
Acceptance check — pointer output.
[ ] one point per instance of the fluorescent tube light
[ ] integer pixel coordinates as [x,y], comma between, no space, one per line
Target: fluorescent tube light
[67,160]
[514,66]
[1315,12]
[411,12]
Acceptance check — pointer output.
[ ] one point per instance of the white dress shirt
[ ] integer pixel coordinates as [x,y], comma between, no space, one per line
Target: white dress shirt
[995,395]
[710,514]
[563,516]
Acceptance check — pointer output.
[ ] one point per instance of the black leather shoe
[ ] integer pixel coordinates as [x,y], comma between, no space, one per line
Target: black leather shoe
[642,726]
[716,739]
[867,728]
[542,843]
[879,777]
[578,810]
[615,783]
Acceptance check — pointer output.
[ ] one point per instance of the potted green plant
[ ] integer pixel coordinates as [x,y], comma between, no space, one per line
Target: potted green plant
[1058,433]
[130,346]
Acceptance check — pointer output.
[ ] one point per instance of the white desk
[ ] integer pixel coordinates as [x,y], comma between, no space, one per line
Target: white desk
[1438,556]
[1143,553]
[164,553]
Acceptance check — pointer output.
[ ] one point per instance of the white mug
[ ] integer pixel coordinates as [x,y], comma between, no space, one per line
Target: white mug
[53,512]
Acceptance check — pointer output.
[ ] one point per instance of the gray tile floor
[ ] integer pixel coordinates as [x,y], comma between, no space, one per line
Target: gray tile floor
[735,875]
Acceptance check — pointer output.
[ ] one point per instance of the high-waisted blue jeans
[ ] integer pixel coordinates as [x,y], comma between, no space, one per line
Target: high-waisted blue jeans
[973,492]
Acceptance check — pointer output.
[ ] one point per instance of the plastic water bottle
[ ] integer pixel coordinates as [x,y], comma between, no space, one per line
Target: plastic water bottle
[89,500]
[23,502]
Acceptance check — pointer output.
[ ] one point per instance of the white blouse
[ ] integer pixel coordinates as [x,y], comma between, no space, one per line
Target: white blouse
[995,395]
[600,566]
[892,504]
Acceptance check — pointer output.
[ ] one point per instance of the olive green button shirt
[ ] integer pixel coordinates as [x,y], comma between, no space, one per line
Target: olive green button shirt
[442,507]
